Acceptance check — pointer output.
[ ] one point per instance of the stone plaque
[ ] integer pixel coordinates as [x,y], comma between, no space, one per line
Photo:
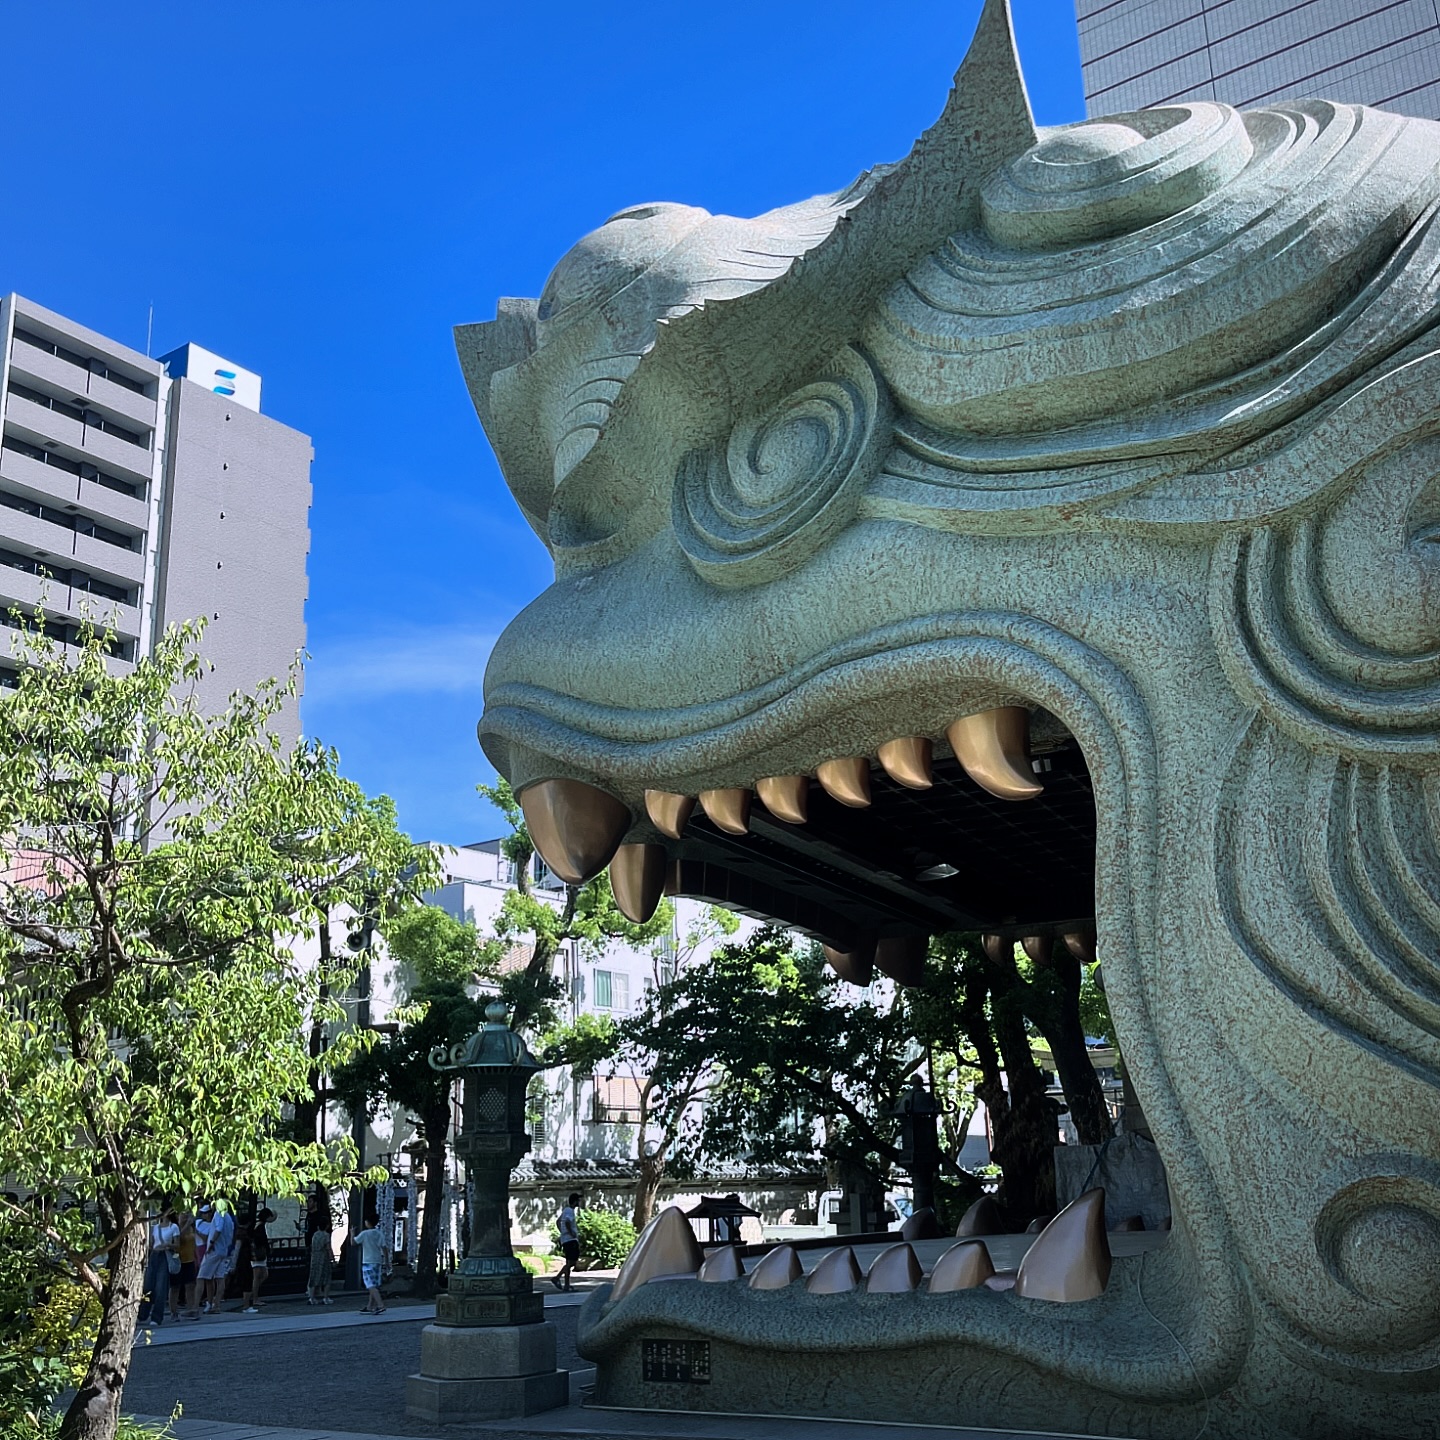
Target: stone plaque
[680,1362]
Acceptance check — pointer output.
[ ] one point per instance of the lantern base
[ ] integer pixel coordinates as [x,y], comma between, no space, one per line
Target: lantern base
[489,1300]
[485,1374]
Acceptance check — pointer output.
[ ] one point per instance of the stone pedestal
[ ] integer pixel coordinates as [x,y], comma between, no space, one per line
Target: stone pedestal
[485,1373]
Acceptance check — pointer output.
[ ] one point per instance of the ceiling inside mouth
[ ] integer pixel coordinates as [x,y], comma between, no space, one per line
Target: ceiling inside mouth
[1019,866]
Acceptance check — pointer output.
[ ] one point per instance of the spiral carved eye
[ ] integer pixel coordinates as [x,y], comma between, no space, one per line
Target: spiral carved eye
[787,481]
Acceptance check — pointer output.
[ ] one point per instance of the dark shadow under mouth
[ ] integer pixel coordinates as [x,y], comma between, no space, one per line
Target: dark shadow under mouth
[951,858]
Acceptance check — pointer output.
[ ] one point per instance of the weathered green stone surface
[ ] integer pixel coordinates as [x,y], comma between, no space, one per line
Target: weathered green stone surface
[1133,423]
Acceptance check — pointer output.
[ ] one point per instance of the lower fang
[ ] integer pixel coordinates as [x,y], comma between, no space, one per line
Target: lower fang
[965,1266]
[1071,1259]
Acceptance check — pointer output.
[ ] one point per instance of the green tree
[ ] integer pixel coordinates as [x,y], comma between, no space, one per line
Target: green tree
[438,957]
[974,1006]
[587,915]
[792,1075]
[669,1082]
[155,865]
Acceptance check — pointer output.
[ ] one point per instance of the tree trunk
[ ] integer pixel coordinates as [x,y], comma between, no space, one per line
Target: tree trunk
[1052,1000]
[649,1171]
[1027,1152]
[435,1129]
[95,1410]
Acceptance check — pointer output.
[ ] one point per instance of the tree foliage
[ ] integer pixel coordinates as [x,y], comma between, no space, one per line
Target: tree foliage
[155,864]
[439,957]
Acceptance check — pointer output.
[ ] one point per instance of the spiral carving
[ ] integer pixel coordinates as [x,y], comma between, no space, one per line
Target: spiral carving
[787,481]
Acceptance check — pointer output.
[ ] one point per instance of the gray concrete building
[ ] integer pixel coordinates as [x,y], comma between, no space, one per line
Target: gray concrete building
[148,491]
[1137,53]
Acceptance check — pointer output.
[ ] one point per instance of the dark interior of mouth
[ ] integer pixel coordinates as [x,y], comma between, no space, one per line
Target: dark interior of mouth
[950,858]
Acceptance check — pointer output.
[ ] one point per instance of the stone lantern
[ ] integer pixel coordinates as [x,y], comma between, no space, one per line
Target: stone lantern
[490,1352]
[919,1114]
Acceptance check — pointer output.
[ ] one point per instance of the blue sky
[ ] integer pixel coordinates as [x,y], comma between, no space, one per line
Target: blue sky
[321,191]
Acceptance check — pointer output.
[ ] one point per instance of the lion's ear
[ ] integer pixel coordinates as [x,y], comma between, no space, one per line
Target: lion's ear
[494,345]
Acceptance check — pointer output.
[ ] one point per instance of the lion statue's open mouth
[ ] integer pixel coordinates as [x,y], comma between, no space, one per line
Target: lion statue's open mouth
[1037,535]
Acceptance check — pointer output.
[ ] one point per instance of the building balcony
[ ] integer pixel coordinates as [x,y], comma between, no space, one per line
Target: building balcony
[29,363]
[20,589]
[52,483]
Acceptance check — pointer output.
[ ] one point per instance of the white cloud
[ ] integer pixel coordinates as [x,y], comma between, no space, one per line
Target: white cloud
[432,661]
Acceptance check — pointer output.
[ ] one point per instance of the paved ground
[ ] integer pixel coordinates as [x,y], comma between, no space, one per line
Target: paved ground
[291,1366]
[297,1373]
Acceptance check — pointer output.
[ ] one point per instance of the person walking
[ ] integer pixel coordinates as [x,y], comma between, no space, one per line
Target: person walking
[569,1242]
[259,1261]
[372,1262]
[322,1259]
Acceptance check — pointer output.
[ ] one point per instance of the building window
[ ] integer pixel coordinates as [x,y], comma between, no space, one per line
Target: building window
[616,1100]
[612,990]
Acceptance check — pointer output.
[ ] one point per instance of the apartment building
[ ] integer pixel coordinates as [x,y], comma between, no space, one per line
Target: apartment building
[585,1117]
[147,491]
[1138,53]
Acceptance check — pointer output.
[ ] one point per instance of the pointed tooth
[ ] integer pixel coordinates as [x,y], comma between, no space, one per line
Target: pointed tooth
[895,1271]
[982,1218]
[1038,1224]
[666,1247]
[907,761]
[786,797]
[856,965]
[729,810]
[637,878]
[1040,948]
[847,780]
[838,1272]
[902,957]
[1081,944]
[965,1266]
[669,813]
[722,1264]
[1071,1259]
[777,1269]
[575,827]
[922,1225]
[998,950]
[994,748]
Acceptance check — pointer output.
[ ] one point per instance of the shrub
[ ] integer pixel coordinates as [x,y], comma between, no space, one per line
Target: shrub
[46,1352]
[605,1239]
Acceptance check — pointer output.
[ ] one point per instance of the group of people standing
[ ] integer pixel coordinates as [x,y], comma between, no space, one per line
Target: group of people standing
[192,1256]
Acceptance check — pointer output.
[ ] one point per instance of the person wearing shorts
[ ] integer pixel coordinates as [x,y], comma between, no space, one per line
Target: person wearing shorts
[569,1243]
[219,1258]
[372,1260]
